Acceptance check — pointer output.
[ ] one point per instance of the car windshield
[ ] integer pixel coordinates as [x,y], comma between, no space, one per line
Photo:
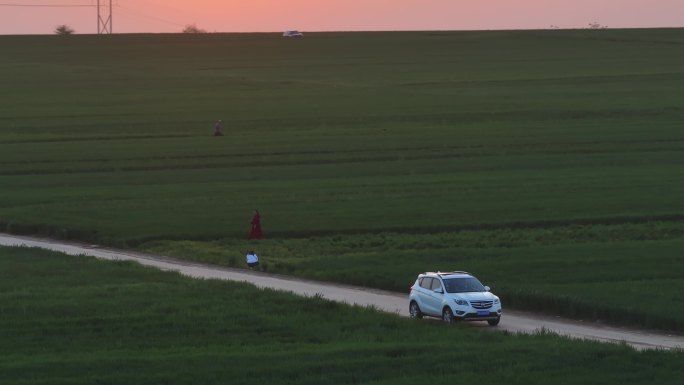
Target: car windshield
[463,285]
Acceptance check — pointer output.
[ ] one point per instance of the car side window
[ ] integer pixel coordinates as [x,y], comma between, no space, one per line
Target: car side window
[436,284]
[426,282]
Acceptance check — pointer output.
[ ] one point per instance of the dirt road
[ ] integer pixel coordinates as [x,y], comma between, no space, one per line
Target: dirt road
[387,301]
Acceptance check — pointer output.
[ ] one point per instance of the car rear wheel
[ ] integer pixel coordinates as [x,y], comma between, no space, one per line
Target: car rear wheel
[414,311]
[494,322]
[447,315]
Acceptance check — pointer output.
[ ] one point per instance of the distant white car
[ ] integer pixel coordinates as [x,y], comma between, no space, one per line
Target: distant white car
[292,34]
[453,296]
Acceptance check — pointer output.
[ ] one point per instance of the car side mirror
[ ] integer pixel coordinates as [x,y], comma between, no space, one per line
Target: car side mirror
[487,288]
[438,291]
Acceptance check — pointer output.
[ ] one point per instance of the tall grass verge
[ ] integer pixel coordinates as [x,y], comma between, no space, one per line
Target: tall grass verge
[76,320]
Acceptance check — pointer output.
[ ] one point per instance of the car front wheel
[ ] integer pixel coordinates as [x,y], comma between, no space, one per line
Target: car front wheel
[447,315]
[414,311]
[494,322]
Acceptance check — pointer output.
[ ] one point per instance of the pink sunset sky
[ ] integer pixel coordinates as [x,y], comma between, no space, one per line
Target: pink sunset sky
[42,16]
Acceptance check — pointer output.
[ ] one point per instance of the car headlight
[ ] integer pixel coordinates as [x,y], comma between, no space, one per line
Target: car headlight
[461,302]
[496,301]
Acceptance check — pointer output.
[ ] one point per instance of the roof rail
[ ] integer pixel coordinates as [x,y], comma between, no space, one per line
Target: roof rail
[446,272]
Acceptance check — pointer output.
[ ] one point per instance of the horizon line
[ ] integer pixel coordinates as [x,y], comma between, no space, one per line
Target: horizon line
[361,31]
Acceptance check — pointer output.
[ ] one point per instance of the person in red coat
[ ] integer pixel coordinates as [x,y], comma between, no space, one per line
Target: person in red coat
[255,233]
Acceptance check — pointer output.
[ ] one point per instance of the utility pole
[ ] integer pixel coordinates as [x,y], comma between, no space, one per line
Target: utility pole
[104,20]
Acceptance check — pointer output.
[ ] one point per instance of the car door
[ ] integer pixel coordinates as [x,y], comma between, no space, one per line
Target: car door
[421,291]
[424,295]
[433,300]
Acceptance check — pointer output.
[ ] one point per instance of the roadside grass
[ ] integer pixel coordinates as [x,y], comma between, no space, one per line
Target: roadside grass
[77,320]
[628,274]
[526,157]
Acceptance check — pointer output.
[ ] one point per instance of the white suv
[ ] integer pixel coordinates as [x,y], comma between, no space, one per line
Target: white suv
[453,296]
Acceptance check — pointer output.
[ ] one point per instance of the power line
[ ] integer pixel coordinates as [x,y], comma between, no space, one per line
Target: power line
[104,20]
[47,5]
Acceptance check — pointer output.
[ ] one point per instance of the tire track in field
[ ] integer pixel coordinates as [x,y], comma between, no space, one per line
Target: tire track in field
[390,302]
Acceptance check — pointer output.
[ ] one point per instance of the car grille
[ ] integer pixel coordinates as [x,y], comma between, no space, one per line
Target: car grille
[481,304]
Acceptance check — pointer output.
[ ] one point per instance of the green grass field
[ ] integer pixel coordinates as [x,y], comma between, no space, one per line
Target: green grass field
[77,320]
[549,163]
